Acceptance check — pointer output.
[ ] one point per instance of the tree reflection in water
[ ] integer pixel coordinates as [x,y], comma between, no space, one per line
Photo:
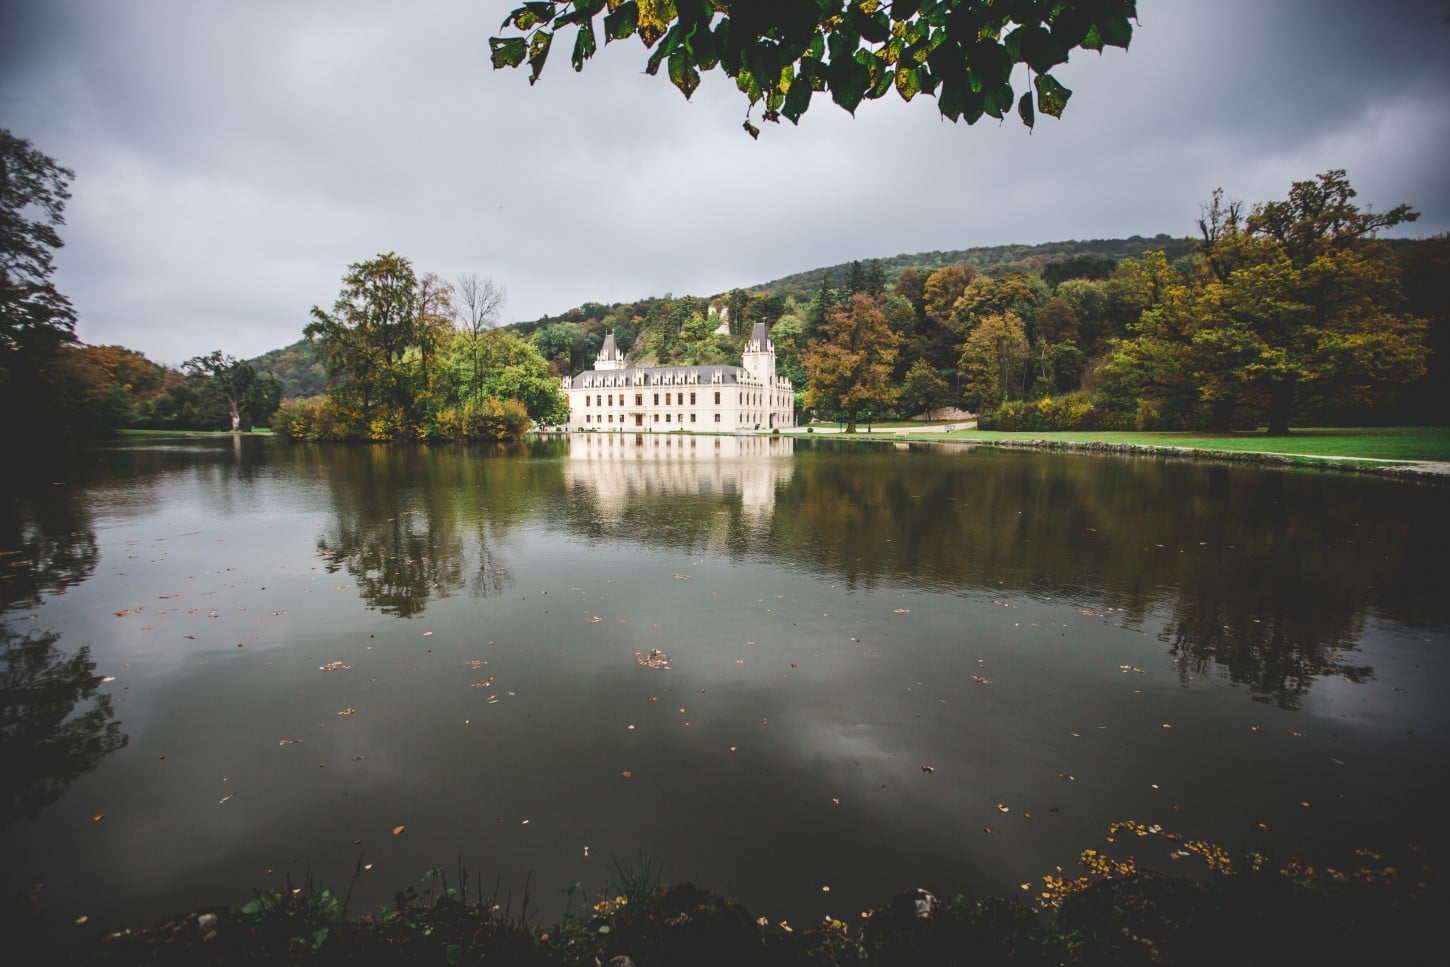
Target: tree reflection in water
[55,725]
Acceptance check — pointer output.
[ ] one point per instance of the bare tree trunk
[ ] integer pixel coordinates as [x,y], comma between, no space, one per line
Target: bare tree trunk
[1281,405]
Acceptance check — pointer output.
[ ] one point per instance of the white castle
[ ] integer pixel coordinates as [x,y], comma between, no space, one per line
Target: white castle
[617,397]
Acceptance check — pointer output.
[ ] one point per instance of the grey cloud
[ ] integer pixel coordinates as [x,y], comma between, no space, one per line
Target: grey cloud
[232,159]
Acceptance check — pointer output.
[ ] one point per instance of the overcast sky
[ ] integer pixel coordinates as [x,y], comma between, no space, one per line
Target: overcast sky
[232,158]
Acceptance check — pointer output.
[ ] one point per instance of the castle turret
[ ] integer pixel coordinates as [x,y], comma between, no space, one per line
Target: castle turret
[759,356]
[610,356]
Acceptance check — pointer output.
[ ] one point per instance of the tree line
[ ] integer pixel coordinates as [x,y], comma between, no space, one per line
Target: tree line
[1286,311]
[415,357]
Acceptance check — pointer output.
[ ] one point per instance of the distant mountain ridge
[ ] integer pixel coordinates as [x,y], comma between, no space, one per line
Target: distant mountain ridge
[991,259]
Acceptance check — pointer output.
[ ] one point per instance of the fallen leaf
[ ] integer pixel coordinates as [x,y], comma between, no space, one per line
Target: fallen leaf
[348,711]
[98,817]
[903,611]
[398,830]
[928,768]
[289,741]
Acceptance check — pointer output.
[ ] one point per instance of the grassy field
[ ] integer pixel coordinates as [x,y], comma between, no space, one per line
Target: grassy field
[1351,443]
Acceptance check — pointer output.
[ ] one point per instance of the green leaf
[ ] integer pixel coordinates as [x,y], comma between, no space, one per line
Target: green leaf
[797,99]
[318,938]
[849,82]
[1116,31]
[1024,109]
[538,53]
[1051,96]
[622,22]
[908,82]
[584,45]
[682,72]
[507,51]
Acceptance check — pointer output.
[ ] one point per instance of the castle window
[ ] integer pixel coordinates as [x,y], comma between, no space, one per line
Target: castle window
[667,399]
[657,399]
[611,399]
[692,399]
[667,417]
[639,399]
[692,418]
[717,415]
[717,403]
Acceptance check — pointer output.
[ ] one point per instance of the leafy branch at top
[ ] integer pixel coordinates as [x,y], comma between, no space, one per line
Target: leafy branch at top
[782,52]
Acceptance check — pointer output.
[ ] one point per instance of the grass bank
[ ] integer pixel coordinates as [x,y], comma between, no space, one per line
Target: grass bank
[1417,443]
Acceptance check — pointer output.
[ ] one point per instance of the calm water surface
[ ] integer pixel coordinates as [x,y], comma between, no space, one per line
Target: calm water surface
[890,668]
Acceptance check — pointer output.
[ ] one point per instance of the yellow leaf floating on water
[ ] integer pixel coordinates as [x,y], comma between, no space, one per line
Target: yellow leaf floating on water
[398,830]
[903,611]
[333,666]
[654,658]
[289,741]
[928,768]
[98,817]
[348,711]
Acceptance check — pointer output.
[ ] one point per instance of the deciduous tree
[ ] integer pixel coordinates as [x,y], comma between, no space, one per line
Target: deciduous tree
[849,366]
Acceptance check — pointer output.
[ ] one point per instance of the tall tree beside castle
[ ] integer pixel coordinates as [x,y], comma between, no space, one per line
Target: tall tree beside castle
[850,364]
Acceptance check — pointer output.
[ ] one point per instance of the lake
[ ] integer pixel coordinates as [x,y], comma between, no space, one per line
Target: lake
[889,667]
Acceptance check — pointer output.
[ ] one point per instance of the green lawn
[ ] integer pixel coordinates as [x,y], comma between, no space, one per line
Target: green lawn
[1364,443]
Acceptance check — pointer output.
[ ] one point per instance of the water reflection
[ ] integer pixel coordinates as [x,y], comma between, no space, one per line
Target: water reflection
[413,525]
[54,724]
[47,545]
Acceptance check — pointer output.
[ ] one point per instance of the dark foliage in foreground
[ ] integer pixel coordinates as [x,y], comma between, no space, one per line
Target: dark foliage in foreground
[1143,918]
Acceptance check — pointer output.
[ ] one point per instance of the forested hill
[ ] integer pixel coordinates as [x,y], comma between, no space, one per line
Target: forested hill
[992,260]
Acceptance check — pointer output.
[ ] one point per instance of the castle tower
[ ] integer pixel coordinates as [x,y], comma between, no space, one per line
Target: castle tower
[759,356]
[610,356]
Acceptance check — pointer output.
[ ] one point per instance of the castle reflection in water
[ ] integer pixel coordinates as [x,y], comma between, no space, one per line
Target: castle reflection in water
[619,467]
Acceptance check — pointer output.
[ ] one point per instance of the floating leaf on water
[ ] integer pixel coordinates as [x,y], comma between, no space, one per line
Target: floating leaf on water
[1167,725]
[627,774]
[762,922]
[825,889]
[654,658]
[1296,733]
[81,919]
[225,798]
[681,577]
[1002,807]
[1025,886]
[333,666]
[981,680]
[427,634]
[835,801]
[987,829]
[398,830]
[928,768]
[98,817]
[289,741]
[348,711]
[108,678]
[903,611]
[367,866]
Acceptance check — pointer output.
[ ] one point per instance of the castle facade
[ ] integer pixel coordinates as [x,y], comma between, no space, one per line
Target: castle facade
[616,397]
